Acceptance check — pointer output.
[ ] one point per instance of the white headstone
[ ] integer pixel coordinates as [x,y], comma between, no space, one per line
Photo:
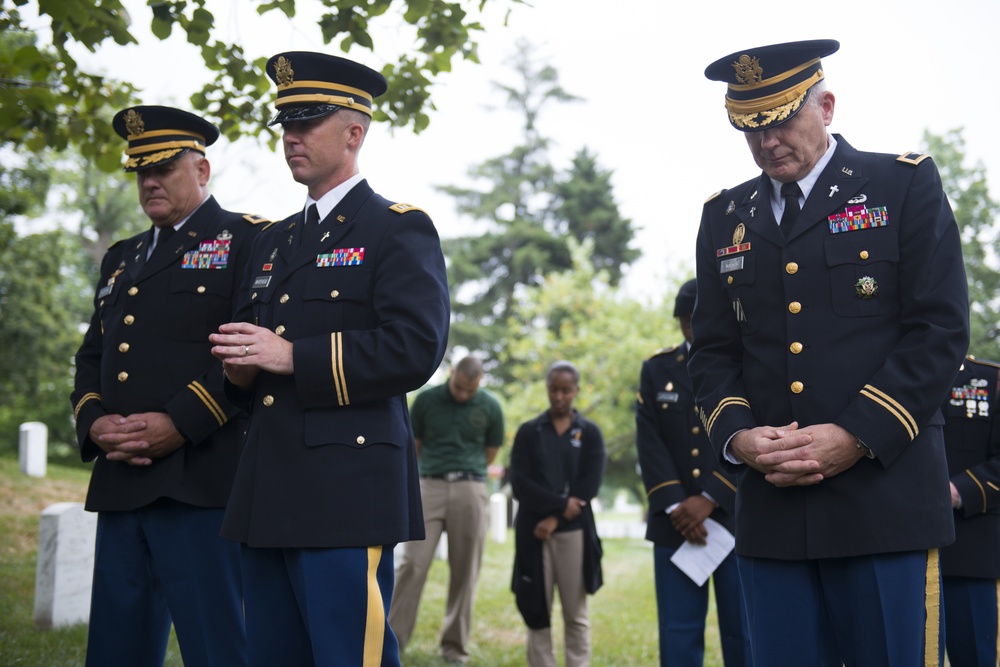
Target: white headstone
[63,577]
[498,517]
[32,448]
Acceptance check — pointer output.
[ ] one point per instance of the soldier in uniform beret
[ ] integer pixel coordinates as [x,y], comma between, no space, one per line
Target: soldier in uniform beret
[685,486]
[344,310]
[971,566]
[151,412]
[832,316]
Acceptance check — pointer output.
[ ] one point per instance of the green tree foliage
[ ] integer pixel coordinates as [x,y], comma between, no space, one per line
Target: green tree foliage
[529,214]
[48,100]
[977,214]
[42,303]
[580,316]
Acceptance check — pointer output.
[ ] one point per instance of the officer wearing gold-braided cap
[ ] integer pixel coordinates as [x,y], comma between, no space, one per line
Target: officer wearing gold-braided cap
[832,316]
[151,412]
[345,309]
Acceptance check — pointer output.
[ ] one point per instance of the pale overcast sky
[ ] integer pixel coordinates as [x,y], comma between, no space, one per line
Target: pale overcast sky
[648,112]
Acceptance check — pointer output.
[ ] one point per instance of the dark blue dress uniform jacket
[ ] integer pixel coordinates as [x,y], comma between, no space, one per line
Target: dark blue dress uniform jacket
[972,440]
[147,350]
[329,459]
[782,333]
[675,457]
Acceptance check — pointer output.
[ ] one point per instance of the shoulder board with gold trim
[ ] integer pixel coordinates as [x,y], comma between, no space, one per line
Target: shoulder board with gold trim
[912,157]
[664,350]
[255,219]
[984,362]
[405,208]
[714,196]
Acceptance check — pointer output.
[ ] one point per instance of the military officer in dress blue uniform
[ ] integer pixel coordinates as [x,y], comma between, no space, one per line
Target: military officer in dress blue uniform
[685,486]
[151,411]
[823,349]
[971,566]
[344,309]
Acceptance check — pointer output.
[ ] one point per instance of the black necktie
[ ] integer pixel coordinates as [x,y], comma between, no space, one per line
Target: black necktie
[311,223]
[162,238]
[790,192]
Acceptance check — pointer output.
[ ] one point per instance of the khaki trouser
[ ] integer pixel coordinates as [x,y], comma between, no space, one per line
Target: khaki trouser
[562,559]
[461,509]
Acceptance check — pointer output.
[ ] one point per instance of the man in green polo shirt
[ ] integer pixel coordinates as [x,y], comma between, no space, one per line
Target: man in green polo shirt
[458,429]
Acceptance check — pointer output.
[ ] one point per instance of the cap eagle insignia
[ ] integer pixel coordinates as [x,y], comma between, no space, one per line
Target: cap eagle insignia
[133,123]
[748,70]
[283,72]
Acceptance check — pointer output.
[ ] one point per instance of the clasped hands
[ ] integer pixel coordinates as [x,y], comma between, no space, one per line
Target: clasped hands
[138,438]
[793,456]
[547,526]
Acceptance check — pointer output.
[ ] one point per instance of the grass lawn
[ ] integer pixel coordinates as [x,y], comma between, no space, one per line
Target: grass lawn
[622,613]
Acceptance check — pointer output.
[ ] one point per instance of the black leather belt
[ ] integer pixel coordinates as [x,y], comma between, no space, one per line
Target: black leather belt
[457,477]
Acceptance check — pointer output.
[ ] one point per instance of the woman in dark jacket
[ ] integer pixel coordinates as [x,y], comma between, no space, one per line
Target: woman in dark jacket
[556,467]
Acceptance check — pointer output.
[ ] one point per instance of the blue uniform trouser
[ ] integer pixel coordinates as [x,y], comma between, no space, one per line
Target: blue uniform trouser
[319,607]
[160,563]
[971,619]
[880,610]
[682,607]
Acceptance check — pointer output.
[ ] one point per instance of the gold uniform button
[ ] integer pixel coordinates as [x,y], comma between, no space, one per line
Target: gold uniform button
[695,408]
[795,347]
[132,291]
[254,295]
[695,430]
[201,289]
[666,406]
[268,401]
[794,307]
[334,294]
[863,254]
[791,268]
[361,439]
[284,298]
[280,329]
[695,452]
[122,376]
[729,280]
[129,319]
[123,347]
[696,473]
[797,387]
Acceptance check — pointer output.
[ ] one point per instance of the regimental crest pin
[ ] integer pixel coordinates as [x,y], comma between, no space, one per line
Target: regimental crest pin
[866,287]
[731,207]
[283,72]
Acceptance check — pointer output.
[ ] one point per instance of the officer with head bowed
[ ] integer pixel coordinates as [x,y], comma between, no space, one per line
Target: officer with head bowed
[689,495]
[832,316]
[343,311]
[151,411]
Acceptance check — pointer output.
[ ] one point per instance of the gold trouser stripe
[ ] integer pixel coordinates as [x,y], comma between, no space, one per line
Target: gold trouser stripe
[981,489]
[89,396]
[932,610]
[375,618]
[660,486]
[337,367]
[997,654]
[897,410]
[210,403]
[725,481]
[724,403]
